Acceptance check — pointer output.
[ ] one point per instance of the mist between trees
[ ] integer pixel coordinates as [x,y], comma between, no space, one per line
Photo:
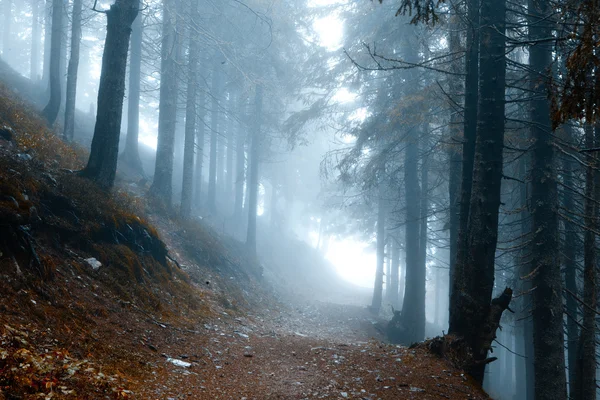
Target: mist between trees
[456,140]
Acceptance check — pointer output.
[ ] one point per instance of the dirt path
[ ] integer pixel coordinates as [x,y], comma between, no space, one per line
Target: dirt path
[313,352]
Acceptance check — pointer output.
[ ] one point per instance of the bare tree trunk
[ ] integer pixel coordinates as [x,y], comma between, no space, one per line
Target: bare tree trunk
[424,218]
[162,186]
[102,164]
[190,116]
[35,41]
[584,385]
[548,338]
[51,110]
[48,4]
[394,272]
[474,277]
[214,137]
[69,128]
[240,162]
[381,214]
[454,154]
[230,145]
[570,250]
[468,150]
[131,154]
[200,147]
[413,313]
[254,162]
[525,369]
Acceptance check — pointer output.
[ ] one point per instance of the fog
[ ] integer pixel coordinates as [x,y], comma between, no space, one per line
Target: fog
[325,134]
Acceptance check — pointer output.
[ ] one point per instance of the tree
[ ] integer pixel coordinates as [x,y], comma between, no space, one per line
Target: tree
[548,338]
[474,276]
[69,129]
[255,147]
[162,186]
[214,136]
[35,41]
[51,110]
[190,116]
[381,215]
[131,153]
[102,164]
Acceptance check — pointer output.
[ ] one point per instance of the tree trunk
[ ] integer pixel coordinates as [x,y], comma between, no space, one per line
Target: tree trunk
[424,218]
[526,382]
[454,154]
[214,137]
[35,41]
[395,265]
[51,110]
[47,44]
[413,312]
[584,384]
[131,154]
[102,164]
[474,277]
[190,117]
[548,338]
[230,145]
[388,270]
[381,213]
[468,150]
[570,249]
[200,148]
[162,186]
[240,161]
[69,128]
[254,161]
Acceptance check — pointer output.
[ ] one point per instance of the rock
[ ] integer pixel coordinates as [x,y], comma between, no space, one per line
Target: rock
[179,363]
[95,264]
[24,157]
[6,133]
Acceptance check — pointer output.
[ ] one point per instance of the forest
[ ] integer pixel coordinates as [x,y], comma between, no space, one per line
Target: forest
[416,180]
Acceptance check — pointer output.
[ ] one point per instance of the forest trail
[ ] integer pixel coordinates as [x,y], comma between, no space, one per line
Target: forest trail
[289,355]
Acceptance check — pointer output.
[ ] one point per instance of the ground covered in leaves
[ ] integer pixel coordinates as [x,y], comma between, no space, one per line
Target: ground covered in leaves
[99,302]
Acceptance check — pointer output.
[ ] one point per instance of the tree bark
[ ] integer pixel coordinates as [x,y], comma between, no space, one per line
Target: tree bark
[548,338]
[190,117]
[254,162]
[230,146]
[131,154]
[394,272]
[47,43]
[381,214]
[102,164]
[584,383]
[454,154]
[468,150]
[69,128]
[35,41]
[474,276]
[51,110]
[413,312]
[570,249]
[214,137]
[200,147]
[162,186]
[240,162]
[526,384]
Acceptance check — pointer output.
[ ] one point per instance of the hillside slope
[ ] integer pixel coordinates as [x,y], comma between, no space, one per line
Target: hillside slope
[104,296]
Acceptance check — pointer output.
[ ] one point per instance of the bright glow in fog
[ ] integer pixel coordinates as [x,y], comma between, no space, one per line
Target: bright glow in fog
[353,261]
[331,31]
